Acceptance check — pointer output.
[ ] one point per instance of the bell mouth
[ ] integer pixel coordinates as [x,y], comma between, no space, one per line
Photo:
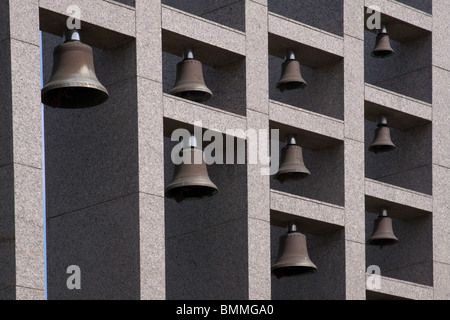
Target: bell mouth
[293,271]
[193,95]
[292,176]
[291,86]
[191,192]
[382,54]
[381,148]
[382,242]
[73,96]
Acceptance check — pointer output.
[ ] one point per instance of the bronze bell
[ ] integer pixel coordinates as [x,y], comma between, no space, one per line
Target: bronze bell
[383,47]
[291,78]
[73,83]
[383,233]
[382,141]
[191,180]
[292,166]
[293,258]
[190,83]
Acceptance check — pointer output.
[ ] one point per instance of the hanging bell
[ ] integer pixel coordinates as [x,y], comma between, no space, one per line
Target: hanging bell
[292,166]
[382,141]
[383,233]
[383,47]
[189,83]
[191,180]
[73,83]
[293,258]
[291,78]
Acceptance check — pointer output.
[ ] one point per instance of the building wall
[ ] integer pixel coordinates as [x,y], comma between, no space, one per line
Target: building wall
[106,168]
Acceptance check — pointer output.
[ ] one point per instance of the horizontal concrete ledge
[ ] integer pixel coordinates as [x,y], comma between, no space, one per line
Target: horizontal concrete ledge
[313,130]
[185,114]
[314,46]
[213,44]
[312,216]
[104,24]
[402,111]
[404,22]
[404,200]
[390,288]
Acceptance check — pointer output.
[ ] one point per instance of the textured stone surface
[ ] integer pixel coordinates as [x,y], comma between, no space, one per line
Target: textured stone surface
[101,14]
[230,13]
[301,33]
[392,289]
[320,14]
[398,195]
[402,111]
[103,241]
[210,263]
[21,202]
[203,30]
[107,167]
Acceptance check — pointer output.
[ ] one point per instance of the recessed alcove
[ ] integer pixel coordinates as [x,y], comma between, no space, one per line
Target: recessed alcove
[230,13]
[322,14]
[223,71]
[206,239]
[409,71]
[325,245]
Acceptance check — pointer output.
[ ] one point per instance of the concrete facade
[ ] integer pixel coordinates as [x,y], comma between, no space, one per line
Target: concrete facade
[105,169]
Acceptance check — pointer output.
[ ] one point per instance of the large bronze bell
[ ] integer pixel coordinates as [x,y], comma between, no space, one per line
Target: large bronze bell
[383,47]
[293,258]
[190,83]
[382,141]
[292,167]
[383,233]
[291,78]
[73,83]
[191,180]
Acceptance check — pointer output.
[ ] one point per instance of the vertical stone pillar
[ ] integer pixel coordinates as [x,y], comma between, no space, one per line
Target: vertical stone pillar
[150,150]
[440,151]
[354,149]
[256,29]
[22,263]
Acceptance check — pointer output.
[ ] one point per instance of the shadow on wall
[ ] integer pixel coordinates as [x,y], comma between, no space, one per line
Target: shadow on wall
[409,165]
[230,13]
[327,283]
[408,72]
[322,14]
[206,240]
[92,183]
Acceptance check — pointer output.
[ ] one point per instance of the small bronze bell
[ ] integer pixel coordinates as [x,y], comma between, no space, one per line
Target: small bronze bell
[293,258]
[190,83]
[191,180]
[292,166]
[73,83]
[291,78]
[383,233]
[383,47]
[382,141]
